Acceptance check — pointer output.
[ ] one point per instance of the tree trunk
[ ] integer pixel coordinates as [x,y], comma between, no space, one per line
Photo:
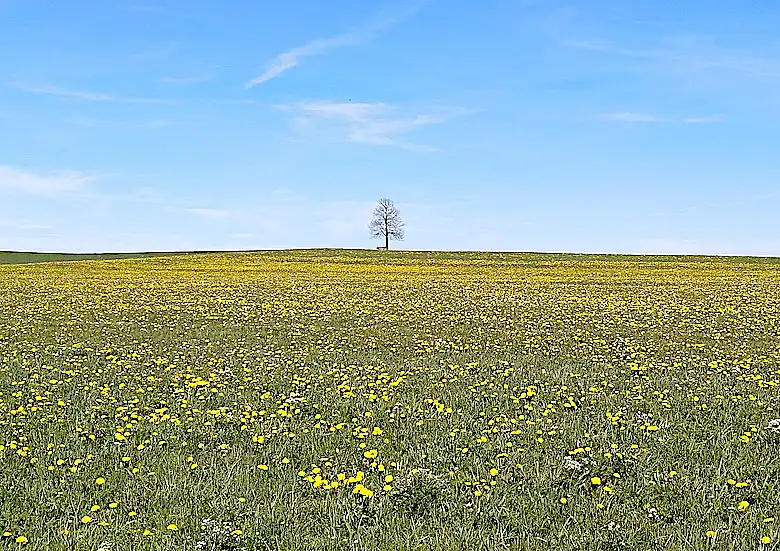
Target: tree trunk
[387,240]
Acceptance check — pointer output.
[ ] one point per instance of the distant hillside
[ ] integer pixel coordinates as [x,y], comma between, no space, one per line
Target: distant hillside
[501,257]
[12,257]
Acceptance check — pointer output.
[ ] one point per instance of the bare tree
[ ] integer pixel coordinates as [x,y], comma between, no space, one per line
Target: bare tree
[387,222]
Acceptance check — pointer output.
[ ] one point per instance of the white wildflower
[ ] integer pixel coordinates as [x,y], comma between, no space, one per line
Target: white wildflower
[773,428]
[571,464]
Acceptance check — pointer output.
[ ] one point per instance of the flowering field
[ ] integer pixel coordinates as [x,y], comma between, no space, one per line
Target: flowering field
[368,400]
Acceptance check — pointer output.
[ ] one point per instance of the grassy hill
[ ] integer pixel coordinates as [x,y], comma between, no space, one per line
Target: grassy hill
[501,257]
[15,257]
[362,399]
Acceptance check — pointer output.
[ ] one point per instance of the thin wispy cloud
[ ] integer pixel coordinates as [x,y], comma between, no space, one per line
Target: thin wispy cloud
[704,120]
[369,30]
[346,217]
[607,47]
[82,94]
[208,213]
[154,9]
[90,122]
[24,225]
[662,245]
[733,200]
[45,185]
[649,118]
[290,59]
[628,116]
[686,55]
[183,81]
[368,123]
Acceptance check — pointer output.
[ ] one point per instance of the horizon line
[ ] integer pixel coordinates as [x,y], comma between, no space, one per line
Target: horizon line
[453,251]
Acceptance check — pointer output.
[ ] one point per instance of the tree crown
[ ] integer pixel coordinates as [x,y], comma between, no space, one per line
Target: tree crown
[387,221]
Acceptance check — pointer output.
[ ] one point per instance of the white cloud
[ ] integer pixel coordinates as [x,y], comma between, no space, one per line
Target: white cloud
[629,116]
[640,117]
[148,8]
[285,194]
[369,123]
[347,217]
[208,213]
[681,246]
[23,225]
[49,185]
[82,94]
[704,120]
[153,124]
[185,80]
[662,245]
[289,59]
[90,122]
[608,47]
[688,54]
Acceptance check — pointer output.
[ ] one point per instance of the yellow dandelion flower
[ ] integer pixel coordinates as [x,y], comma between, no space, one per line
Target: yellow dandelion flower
[370,454]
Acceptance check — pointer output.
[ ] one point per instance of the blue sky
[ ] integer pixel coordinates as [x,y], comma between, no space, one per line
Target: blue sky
[590,126]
